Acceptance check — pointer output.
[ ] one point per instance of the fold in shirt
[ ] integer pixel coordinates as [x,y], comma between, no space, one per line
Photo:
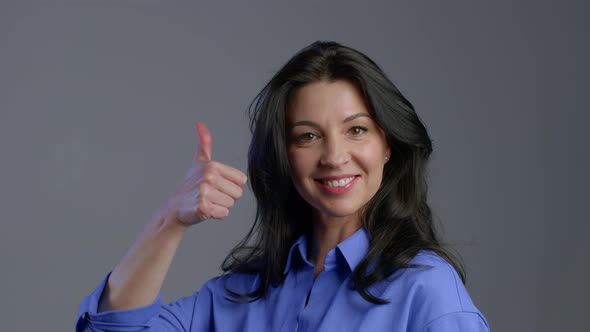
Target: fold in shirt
[430,299]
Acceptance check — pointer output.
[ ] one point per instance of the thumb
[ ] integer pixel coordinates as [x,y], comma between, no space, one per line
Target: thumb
[203,152]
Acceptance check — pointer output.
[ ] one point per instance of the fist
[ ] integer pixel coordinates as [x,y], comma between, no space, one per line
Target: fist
[208,190]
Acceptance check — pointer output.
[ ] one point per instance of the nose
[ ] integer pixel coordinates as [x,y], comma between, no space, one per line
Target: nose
[335,153]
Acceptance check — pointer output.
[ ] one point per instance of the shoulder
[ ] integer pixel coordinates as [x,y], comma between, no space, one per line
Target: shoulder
[432,272]
[434,287]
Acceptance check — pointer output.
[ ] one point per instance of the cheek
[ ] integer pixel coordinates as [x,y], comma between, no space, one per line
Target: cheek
[372,160]
[372,157]
[298,164]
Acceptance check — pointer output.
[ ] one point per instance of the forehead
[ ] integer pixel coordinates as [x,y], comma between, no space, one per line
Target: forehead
[337,99]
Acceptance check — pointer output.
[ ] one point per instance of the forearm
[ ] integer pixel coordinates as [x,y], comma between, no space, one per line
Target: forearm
[137,279]
[208,191]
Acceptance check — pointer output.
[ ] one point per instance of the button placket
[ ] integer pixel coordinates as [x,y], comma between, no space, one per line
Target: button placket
[307,276]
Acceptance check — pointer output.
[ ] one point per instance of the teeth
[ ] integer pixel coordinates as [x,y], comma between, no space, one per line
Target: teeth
[338,183]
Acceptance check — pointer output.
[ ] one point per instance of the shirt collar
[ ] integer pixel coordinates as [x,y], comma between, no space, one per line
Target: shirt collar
[354,248]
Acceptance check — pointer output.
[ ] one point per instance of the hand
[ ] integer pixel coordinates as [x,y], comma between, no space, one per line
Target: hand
[209,189]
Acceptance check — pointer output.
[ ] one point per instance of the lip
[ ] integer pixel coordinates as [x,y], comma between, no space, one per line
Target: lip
[337,190]
[336,177]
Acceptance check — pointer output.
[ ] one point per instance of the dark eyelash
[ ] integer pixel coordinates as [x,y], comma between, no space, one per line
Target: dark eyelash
[360,127]
[300,138]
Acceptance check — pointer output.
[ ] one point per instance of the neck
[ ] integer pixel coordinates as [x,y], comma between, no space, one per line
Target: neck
[328,231]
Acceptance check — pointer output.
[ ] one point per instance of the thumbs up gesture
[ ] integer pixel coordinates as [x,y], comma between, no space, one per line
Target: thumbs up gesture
[208,190]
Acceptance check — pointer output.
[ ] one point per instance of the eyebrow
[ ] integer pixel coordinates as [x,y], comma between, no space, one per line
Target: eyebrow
[315,124]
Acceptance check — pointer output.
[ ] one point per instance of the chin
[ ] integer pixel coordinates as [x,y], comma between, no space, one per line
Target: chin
[338,211]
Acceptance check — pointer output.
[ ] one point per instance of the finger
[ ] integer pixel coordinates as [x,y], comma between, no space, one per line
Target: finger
[217,211]
[203,152]
[224,185]
[232,174]
[221,199]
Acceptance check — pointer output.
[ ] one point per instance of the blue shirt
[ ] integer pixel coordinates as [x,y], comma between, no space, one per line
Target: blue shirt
[421,299]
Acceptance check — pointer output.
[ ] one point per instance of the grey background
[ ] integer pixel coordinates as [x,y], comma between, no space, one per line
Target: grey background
[98,100]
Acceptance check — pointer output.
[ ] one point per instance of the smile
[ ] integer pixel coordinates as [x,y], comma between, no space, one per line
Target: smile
[337,185]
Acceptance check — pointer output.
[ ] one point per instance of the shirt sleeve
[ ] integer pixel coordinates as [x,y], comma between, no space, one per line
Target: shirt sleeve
[458,322]
[175,316]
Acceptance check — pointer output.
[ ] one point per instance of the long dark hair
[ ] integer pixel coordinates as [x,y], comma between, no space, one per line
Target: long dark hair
[397,219]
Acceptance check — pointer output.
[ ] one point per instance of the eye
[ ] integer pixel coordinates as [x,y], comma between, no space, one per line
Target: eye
[357,131]
[305,137]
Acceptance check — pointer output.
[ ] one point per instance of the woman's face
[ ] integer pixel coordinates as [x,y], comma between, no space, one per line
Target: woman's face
[336,150]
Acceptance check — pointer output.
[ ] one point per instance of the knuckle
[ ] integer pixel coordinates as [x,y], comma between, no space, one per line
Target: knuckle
[203,206]
[209,177]
[204,190]
[212,166]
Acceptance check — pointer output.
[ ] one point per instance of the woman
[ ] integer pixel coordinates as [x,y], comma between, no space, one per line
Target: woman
[343,237]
